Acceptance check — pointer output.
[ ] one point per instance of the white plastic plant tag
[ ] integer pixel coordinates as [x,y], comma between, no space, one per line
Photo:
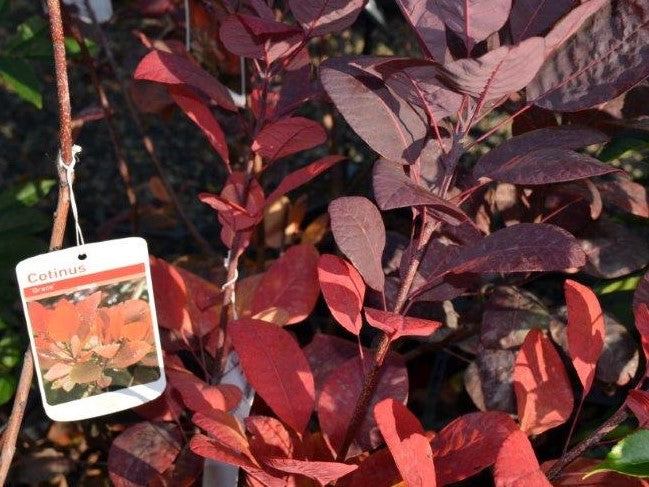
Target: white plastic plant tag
[93,328]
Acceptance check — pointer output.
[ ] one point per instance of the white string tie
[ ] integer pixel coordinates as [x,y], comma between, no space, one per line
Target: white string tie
[231,283]
[69,177]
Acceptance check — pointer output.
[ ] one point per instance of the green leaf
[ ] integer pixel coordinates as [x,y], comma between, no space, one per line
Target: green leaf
[31,40]
[73,49]
[18,76]
[4,8]
[627,283]
[28,194]
[629,456]
[7,388]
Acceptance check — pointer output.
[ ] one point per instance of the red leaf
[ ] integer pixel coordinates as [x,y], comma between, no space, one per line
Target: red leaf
[302,176]
[199,396]
[425,19]
[277,368]
[586,331]
[202,116]
[225,429]
[290,284]
[405,438]
[638,402]
[341,390]
[254,37]
[210,448]
[179,295]
[642,324]
[391,126]
[269,437]
[344,291]
[322,472]
[525,247]
[474,20]
[320,17]
[288,136]
[543,392]
[397,326]
[142,452]
[393,189]
[172,69]
[359,232]
[498,73]
[532,18]
[604,58]
[377,470]
[469,444]
[516,464]
[232,215]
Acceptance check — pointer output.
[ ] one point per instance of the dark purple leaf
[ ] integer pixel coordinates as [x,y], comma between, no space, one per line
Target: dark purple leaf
[288,136]
[172,69]
[607,56]
[320,17]
[415,81]
[489,382]
[424,17]
[620,191]
[359,232]
[613,250]
[564,137]
[258,38]
[508,315]
[474,20]
[534,17]
[434,262]
[498,73]
[547,166]
[393,189]
[142,452]
[568,25]
[526,247]
[390,125]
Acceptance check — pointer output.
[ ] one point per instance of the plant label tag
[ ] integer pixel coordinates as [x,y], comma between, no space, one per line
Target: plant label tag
[93,330]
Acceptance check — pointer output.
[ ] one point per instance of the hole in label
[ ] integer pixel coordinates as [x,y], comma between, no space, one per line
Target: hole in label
[82,256]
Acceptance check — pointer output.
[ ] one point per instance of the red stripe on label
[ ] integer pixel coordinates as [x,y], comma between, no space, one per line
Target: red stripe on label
[76,282]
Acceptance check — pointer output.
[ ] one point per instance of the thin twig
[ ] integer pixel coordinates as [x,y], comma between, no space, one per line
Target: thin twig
[120,153]
[612,422]
[429,227]
[58,228]
[147,142]
[13,426]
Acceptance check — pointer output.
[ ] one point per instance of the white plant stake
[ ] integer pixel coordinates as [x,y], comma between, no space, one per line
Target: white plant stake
[103,9]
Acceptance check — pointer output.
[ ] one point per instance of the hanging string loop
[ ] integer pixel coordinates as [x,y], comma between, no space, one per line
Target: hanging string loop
[69,178]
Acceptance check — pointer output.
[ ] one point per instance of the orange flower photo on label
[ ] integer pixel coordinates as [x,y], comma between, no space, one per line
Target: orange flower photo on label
[94,338]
